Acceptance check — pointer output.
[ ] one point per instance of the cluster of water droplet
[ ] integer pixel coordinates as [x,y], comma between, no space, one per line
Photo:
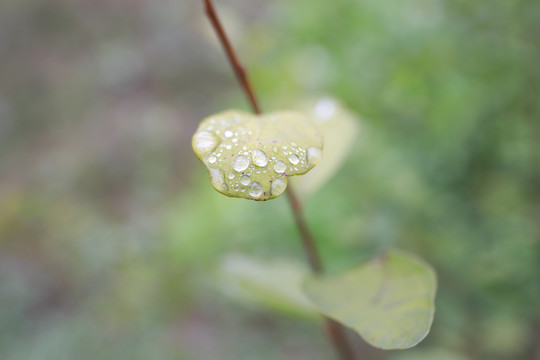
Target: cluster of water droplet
[243,166]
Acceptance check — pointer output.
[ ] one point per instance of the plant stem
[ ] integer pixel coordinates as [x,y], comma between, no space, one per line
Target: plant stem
[334,330]
[238,68]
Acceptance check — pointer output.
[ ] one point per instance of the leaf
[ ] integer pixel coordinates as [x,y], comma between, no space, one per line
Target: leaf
[251,156]
[273,284]
[389,301]
[340,129]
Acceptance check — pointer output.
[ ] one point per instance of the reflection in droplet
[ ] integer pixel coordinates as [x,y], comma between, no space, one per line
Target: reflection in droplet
[278,186]
[255,189]
[294,159]
[245,180]
[204,142]
[241,163]
[260,158]
[280,167]
[314,155]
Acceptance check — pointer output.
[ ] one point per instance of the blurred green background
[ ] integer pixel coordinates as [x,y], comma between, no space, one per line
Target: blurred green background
[112,239]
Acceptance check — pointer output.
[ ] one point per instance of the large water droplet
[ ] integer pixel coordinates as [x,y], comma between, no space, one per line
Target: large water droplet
[245,180]
[280,167]
[260,158]
[294,159]
[255,189]
[212,159]
[241,163]
[278,186]
[216,177]
[204,142]
[314,155]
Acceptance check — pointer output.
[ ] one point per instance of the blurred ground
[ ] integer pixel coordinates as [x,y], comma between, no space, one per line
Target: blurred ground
[111,236]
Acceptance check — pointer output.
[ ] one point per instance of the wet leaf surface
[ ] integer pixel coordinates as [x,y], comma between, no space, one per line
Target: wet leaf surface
[250,156]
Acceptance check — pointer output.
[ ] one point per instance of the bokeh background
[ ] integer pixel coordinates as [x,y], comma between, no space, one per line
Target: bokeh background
[112,240]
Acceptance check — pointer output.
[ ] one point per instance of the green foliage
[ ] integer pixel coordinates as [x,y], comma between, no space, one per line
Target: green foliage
[389,301]
[110,233]
[273,284]
[251,156]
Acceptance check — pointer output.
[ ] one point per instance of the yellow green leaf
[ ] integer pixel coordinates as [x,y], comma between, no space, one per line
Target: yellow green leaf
[250,156]
[275,284]
[389,301]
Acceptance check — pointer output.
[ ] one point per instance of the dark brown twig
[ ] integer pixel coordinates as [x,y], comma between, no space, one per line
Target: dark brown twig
[334,330]
[238,68]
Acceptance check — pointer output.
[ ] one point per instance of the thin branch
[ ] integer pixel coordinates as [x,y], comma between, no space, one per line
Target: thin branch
[334,330]
[305,234]
[239,69]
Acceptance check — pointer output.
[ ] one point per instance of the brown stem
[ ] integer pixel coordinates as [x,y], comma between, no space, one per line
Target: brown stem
[305,234]
[334,330]
[239,69]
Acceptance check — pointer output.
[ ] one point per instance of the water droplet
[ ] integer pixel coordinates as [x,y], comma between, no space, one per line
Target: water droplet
[241,163]
[216,177]
[280,167]
[278,186]
[234,140]
[255,189]
[245,180]
[314,155]
[228,134]
[294,159]
[204,142]
[212,159]
[231,175]
[260,158]
[228,146]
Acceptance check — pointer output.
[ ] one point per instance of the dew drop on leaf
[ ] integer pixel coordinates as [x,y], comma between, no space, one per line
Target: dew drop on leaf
[260,158]
[314,155]
[241,163]
[245,180]
[205,142]
[278,186]
[255,189]
[280,167]
[294,159]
